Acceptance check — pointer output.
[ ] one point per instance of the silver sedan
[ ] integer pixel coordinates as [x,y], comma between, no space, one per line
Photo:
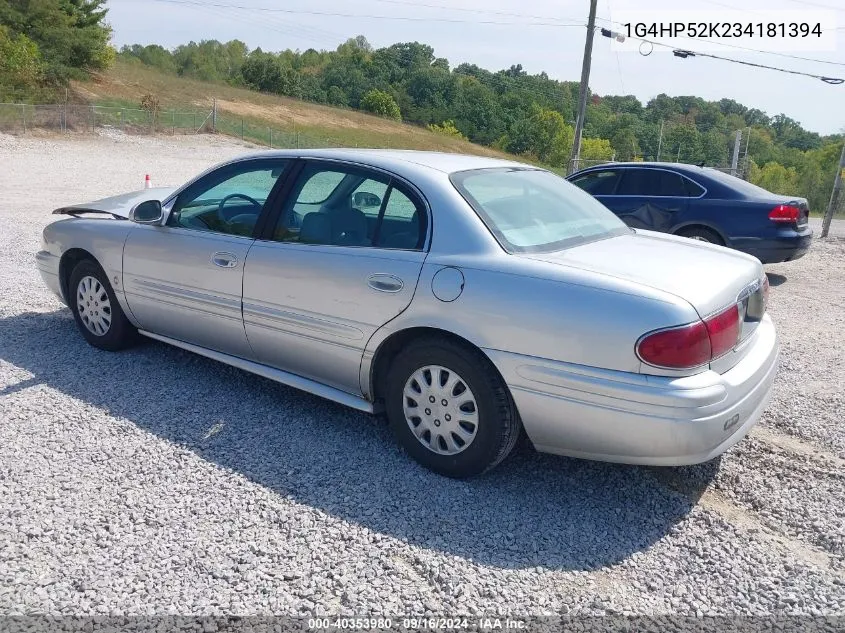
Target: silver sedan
[467,298]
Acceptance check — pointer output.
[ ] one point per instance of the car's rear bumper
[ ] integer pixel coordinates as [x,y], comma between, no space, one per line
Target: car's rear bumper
[786,246]
[637,419]
[48,266]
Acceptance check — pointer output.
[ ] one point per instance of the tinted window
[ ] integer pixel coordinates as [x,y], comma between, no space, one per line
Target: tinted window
[694,190]
[738,184]
[672,184]
[530,210]
[229,200]
[339,207]
[597,183]
[652,182]
[639,182]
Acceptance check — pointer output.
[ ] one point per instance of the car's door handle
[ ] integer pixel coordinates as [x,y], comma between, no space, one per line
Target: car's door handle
[385,283]
[224,260]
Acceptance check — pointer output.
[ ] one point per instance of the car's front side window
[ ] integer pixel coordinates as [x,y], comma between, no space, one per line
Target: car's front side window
[229,200]
[532,210]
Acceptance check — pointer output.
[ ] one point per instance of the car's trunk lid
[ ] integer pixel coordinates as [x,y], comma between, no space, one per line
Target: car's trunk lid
[710,278]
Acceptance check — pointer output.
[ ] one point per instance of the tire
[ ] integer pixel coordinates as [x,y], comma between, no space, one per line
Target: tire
[702,235]
[102,323]
[495,422]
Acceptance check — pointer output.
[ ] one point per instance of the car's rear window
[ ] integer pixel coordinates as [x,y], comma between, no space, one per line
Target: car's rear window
[532,210]
[738,184]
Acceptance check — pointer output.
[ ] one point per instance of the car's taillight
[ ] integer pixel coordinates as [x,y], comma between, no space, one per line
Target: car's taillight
[724,329]
[676,348]
[692,345]
[785,213]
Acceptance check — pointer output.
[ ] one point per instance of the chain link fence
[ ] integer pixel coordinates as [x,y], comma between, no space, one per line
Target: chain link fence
[19,118]
[23,118]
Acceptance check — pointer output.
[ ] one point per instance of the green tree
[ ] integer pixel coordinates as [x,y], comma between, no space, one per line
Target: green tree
[381,103]
[71,35]
[21,66]
[594,149]
[447,128]
[544,134]
[775,178]
[625,144]
[478,114]
[263,71]
[151,55]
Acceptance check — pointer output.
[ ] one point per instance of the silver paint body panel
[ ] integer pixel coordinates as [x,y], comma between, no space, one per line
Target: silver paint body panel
[559,327]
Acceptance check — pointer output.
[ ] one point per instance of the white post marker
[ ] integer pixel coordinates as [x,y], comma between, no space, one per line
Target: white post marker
[147,183]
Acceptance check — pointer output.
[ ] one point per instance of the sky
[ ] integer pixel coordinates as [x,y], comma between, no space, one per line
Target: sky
[542,35]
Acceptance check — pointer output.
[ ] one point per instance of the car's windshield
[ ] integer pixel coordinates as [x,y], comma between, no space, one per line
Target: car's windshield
[532,210]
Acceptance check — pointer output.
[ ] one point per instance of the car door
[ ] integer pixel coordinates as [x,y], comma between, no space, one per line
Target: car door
[648,198]
[342,259]
[184,280]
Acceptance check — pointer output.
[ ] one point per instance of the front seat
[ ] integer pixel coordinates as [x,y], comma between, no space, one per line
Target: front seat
[316,229]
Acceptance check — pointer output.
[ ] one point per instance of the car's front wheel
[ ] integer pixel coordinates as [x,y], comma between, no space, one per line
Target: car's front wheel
[449,408]
[95,308]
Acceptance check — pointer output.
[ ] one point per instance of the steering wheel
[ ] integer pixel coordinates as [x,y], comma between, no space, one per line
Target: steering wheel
[231,196]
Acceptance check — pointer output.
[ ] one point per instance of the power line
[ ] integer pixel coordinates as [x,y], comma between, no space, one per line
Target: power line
[817,4]
[475,11]
[284,27]
[746,48]
[769,11]
[361,16]
[678,52]
[684,53]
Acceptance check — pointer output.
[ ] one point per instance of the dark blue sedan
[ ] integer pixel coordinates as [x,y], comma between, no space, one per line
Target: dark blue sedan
[703,204]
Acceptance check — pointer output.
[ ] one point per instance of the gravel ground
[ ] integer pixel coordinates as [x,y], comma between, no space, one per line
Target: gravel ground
[158,482]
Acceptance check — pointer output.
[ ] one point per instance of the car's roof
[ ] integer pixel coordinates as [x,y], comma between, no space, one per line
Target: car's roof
[396,158]
[685,168]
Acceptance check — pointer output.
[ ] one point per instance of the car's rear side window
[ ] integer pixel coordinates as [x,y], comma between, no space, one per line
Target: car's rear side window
[651,182]
[532,210]
[694,190]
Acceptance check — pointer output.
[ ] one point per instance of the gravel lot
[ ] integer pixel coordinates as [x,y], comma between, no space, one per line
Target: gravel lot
[157,482]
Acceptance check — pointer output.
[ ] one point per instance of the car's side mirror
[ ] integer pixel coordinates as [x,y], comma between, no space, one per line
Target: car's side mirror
[147,212]
[365,199]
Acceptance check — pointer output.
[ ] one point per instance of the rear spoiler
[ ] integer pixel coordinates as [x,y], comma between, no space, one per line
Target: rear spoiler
[80,211]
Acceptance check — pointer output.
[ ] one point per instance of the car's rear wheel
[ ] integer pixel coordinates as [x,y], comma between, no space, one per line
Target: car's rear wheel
[449,408]
[95,308]
[702,234]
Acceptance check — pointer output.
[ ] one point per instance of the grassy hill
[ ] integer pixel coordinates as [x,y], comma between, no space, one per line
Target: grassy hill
[253,114]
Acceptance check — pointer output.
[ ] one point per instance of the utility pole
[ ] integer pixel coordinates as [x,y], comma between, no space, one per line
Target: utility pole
[660,140]
[735,159]
[834,196]
[745,154]
[582,95]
